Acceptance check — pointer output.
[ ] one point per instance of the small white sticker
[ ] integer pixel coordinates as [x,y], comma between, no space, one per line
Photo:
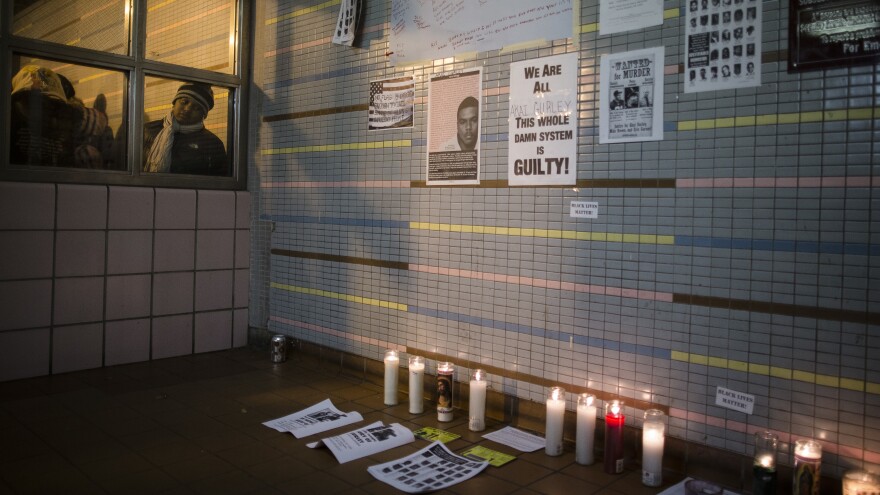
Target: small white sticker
[732,399]
[584,209]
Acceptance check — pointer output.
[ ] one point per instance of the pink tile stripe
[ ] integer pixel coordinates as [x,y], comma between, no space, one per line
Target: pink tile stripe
[544,283]
[336,333]
[805,182]
[388,184]
[833,448]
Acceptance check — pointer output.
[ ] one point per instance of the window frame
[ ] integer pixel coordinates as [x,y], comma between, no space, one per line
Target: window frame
[136,68]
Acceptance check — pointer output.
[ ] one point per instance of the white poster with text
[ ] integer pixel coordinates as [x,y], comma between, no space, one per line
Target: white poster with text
[617,16]
[542,121]
[631,96]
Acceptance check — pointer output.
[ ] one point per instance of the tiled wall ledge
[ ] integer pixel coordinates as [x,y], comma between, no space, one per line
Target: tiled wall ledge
[682,457]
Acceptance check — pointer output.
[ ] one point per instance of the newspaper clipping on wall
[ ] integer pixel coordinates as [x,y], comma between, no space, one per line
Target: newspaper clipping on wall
[631,96]
[454,117]
[723,45]
[617,16]
[391,103]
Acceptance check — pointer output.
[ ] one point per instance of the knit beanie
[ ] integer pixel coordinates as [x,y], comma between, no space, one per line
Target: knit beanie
[197,92]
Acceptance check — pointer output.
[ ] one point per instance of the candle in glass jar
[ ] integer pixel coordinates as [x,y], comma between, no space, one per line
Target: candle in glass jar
[764,467]
[416,384]
[391,362]
[807,467]
[861,483]
[477,407]
[445,372]
[586,429]
[555,420]
[614,420]
[653,438]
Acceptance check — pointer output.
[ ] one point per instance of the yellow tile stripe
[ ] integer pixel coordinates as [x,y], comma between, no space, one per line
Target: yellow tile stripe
[402,143]
[777,372]
[782,118]
[594,26]
[340,296]
[545,233]
[297,13]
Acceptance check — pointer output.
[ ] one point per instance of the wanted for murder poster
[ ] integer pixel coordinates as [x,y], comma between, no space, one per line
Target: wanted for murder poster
[631,96]
[543,121]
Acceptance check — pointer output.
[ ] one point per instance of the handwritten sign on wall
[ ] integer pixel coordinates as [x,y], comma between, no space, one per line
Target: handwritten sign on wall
[424,30]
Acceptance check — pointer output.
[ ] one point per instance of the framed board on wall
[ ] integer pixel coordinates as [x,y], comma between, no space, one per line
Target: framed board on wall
[833,33]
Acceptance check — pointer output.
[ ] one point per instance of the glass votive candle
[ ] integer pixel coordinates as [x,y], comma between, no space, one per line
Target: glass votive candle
[764,466]
[807,467]
[653,439]
[555,421]
[445,373]
[859,482]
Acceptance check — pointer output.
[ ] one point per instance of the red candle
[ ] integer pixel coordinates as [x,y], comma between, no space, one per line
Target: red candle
[614,420]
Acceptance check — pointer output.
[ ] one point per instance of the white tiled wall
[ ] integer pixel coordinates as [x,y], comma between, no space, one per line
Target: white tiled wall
[94,276]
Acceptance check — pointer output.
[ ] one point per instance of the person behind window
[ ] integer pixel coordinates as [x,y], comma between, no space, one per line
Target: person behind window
[42,122]
[92,138]
[467,127]
[179,143]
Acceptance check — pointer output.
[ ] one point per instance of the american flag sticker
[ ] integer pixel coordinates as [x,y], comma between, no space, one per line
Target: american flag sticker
[391,103]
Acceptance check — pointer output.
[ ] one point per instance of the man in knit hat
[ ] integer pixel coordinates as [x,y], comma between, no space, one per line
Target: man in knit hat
[179,143]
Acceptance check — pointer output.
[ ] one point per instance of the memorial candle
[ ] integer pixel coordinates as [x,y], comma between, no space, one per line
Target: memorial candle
[860,483]
[445,372]
[555,421]
[391,362]
[416,384]
[764,467]
[807,467]
[653,438]
[586,429]
[477,407]
[614,420]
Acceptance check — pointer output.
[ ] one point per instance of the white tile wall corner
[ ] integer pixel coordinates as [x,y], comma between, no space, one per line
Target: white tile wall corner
[213,331]
[242,210]
[172,293]
[79,252]
[129,251]
[77,347]
[127,341]
[128,296]
[213,290]
[239,327]
[25,205]
[175,209]
[78,300]
[131,207]
[172,336]
[81,207]
[216,210]
[174,250]
[24,353]
[241,291]
[242,248]
[25,304]
[214,249]
[26,254]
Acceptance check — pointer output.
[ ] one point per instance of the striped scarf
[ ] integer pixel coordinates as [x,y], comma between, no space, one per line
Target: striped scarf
[159,157]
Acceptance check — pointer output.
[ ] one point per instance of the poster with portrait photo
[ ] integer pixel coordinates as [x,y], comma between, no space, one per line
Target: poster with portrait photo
[454,131]
[722,45]
[631,96]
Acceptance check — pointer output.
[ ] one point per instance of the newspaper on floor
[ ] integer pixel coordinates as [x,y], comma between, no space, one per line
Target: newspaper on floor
[517,439]
[318,418]
[369,440]
[433,468]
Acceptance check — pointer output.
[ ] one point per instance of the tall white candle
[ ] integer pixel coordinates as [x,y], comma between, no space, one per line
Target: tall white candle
[586,429]
[860,483]
[653,431]
[416,385]
[391,362]
[477,408]
[807,467]
[555,421]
